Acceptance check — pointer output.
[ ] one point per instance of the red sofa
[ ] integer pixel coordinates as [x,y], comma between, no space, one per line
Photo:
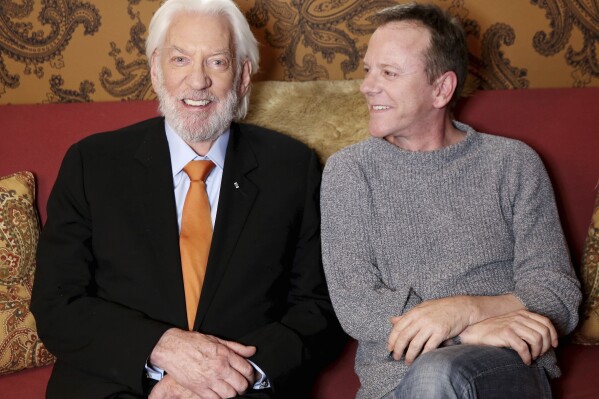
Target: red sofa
[561,124]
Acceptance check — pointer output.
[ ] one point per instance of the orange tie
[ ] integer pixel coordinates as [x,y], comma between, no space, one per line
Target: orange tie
[196,235]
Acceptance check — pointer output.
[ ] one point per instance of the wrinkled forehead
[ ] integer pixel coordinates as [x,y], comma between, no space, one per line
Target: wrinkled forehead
[195,31]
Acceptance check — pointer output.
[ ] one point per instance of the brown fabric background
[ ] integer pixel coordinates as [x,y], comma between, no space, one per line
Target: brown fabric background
[92,50]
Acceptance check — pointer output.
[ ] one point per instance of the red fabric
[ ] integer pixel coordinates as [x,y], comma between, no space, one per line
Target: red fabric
[36,137]
[338,380]
[25,384]
[580,373]
[561,124]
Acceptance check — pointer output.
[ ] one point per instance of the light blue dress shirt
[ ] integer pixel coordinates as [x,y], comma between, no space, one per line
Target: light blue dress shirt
[181,154]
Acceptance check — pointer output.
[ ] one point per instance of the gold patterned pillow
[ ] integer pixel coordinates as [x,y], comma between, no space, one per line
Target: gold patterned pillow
[20,346]
[588,329]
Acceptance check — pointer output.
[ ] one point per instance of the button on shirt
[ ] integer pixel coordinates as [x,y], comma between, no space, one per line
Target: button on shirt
[181,154]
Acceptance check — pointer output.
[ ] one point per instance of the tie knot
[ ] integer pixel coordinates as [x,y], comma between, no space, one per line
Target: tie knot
[198,170]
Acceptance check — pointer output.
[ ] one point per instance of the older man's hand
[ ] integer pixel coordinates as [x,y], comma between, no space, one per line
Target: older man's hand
[206,366]
[167,388]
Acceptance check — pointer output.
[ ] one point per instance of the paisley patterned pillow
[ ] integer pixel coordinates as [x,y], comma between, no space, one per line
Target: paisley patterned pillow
[588,329]
[20,346]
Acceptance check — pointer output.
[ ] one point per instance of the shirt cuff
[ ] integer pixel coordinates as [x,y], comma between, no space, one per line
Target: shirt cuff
[154,373]
[263,382]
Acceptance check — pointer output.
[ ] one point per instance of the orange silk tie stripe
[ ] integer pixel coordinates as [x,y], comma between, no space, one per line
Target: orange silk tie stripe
[196,235]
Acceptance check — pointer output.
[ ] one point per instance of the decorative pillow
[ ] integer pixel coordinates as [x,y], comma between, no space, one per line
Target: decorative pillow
[20,346]
[588,329]
[312,121]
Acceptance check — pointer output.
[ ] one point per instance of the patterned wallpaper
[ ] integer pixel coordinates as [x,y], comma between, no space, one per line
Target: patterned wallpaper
[92,50]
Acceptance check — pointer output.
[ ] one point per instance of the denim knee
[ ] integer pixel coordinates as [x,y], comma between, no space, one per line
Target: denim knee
[469,371]
[435,374]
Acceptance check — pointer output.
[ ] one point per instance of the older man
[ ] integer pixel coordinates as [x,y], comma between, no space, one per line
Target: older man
[436,235]
[135,290]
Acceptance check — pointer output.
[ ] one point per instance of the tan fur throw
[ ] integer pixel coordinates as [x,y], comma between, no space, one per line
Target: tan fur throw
[325,115]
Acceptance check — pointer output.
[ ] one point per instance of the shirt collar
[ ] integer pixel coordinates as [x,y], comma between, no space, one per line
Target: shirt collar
[182,153]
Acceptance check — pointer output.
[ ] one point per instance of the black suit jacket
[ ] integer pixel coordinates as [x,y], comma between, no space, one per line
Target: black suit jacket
[108,282]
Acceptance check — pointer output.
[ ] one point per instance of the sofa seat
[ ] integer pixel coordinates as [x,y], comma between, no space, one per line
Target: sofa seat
[338,381]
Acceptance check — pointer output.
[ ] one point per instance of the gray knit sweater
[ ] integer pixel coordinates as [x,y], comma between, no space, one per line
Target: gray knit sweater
[400,227]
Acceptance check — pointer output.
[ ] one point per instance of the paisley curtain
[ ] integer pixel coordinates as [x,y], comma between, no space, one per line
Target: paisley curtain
[92,50]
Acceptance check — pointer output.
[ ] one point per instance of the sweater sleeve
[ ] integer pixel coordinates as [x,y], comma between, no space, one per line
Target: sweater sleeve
[545,280]
[363,299]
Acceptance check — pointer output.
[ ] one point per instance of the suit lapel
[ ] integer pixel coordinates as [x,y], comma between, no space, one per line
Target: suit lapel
[160,220]
[237,196]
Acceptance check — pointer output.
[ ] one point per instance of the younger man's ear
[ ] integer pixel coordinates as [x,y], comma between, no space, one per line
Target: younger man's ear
[444,87]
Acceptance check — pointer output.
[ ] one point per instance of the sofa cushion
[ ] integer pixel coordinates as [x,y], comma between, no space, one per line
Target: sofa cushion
[588,330]
[325,115]
[20,346]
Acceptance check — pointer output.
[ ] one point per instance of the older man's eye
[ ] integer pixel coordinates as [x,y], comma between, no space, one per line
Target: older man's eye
[178,60]
[219,63]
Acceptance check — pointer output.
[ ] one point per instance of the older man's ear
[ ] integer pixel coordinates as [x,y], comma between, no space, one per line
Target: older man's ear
[246,74]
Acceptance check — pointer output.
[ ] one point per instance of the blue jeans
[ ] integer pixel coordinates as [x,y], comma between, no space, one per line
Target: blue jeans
[470,371]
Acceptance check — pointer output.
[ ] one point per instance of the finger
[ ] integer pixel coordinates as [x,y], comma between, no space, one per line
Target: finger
[222,389]
[521,336]
[399,326]
[205,394]
[231,370]
[242,367]
[238,381]
[518,345]
[161,389]
[392,336]
[535,332]
[415,347]
[534,340]
[434,342]
[546,322]
[542,340]
[156,392]
[240,349]
[402,342]
[168,388]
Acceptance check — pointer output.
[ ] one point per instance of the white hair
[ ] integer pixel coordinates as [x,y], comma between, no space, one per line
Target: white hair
[246,45]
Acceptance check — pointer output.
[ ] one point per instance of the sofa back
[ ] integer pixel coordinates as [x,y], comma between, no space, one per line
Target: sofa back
[36,137]
[561,124]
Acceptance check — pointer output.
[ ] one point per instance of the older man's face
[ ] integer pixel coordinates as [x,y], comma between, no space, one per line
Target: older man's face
[195,76]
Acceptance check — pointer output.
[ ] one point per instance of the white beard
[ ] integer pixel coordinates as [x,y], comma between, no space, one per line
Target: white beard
[196,127]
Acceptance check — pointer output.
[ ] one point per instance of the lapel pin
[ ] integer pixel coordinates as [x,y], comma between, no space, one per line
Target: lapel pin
[236,185]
